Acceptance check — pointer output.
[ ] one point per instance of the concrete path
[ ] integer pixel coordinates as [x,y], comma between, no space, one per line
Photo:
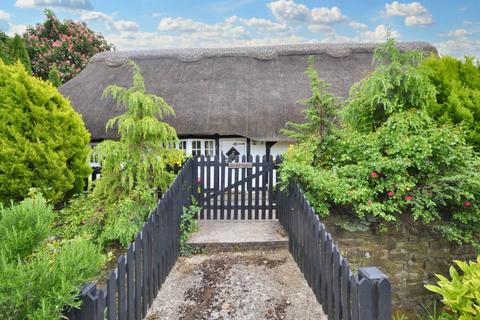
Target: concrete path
[236,285]
[226,235]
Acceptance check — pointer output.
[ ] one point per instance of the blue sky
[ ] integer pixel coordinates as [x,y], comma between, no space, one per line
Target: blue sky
[452,26]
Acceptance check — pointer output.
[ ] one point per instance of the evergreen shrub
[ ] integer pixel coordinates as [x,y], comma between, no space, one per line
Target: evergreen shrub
[43,141]
[38,276]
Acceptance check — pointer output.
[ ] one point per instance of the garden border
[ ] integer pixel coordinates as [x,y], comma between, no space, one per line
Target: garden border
[140,273]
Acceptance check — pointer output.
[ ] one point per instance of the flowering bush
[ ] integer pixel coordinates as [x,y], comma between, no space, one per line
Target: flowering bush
[387,160]
[65,45]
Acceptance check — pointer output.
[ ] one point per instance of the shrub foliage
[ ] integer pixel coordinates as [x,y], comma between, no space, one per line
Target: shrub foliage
[461,294]
[135,169]
[43,141]
[457,84]
[390,157]
[13,50]
[38,278]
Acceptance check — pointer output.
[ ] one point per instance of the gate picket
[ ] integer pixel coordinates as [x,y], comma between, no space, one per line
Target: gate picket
[243,192]
[222,185]
[236,190]
[215,186]
[249,187]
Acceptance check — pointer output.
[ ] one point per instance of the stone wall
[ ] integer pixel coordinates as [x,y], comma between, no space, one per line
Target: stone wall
[409,256]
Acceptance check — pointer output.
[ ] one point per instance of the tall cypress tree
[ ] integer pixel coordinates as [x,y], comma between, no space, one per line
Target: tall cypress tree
[322,107]
[4,42]
[17,51]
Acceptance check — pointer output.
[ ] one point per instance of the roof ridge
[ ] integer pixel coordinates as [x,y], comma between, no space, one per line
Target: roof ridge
[116,58]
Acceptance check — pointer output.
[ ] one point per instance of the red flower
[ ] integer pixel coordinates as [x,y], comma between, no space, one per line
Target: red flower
[390,193]
[467,203]
[408,198]
[374,174]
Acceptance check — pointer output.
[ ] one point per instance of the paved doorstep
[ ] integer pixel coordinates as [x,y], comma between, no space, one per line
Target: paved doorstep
[236,285]
[221,234]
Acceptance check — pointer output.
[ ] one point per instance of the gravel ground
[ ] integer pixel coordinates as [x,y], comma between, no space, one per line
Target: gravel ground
[242,285]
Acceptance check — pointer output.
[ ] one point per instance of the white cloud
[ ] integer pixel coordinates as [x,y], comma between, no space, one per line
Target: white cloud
[156,40]
[326,15]
[357,25]
[70,4]
[120,25]
[414,12]
[285,10]
[220,30]
[459,33]
[381,33]
[405,9]
[124,25]
[459,47]
[289,10]
[265,24]
[16,29]
[8,27]
[320,28]
[412,21]
[260,24]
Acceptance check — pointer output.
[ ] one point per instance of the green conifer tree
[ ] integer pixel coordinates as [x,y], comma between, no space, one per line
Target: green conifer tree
[138,161]
[3,46]
[17,51]
[321,109]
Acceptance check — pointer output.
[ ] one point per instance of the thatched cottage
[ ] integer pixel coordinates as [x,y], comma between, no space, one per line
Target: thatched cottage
[227,100]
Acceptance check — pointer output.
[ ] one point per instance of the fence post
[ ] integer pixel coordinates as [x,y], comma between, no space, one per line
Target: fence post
[381,293]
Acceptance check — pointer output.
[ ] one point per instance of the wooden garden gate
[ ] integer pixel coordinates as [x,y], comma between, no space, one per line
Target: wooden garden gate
[236,189]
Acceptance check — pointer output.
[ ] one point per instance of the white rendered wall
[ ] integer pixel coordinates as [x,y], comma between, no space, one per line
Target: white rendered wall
[257,148]
[279,148]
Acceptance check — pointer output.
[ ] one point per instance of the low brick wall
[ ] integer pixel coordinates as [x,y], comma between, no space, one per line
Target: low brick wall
[410,256]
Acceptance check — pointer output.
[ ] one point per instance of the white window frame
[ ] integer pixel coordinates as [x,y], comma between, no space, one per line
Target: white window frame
[94,157]
[203,146]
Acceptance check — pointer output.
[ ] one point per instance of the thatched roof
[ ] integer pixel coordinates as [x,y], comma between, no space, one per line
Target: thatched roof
[251,91]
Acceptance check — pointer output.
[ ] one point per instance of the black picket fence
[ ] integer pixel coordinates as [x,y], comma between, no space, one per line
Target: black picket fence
[344,295]
[140,273]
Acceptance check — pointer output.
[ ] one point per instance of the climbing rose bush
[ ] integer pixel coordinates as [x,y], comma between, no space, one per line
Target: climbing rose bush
[387,160]
[66,45]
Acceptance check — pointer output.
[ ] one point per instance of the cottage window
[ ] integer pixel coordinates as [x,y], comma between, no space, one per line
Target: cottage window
[198,147]
[182,145]
[94,156]
[209,148]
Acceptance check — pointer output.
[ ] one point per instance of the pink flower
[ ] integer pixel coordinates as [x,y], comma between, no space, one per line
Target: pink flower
[408,198]
[467,203]
[374,174]
[390,193]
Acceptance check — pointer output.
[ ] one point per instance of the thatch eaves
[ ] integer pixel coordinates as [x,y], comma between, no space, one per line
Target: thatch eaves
[250,91]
